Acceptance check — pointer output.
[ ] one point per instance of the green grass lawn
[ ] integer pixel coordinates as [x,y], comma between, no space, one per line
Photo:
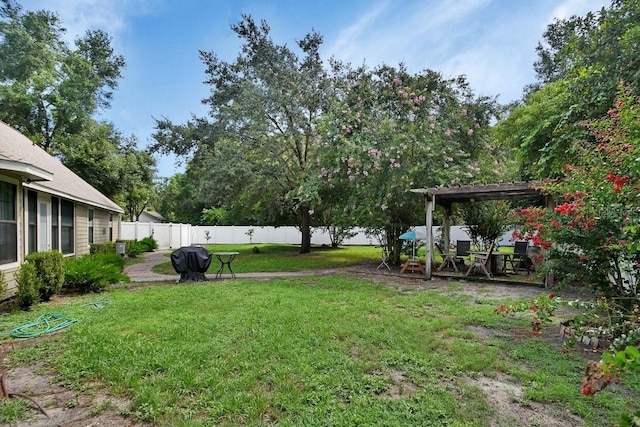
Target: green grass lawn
[277,258]
[313,351]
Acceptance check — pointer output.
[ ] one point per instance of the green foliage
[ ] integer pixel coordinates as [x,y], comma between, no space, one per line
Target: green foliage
[92,273]
[102,248]
[48,90]
[486,221]
[148,244]
[3,283]
[182,198]
[581,62]
[133,248]
[214,216]
[594,230]
[49,267]
[262,139]
[28,285]
[112,164]
[389,131]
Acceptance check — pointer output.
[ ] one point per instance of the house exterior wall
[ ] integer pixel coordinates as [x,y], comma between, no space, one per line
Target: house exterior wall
[100,226]
[81,240]
[81,230]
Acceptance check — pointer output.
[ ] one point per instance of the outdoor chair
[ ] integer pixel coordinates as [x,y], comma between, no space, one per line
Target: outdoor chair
[384,255]
[482,261]
[520,258]
[447,259]
[462,250]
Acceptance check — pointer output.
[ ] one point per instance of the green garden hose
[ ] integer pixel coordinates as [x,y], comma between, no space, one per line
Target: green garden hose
[48,323]
[45,324]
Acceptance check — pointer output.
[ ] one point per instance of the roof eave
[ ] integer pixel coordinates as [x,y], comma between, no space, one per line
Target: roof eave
[25,171]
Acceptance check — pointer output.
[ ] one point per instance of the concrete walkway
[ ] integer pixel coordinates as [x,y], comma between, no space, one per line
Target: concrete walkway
[141,272]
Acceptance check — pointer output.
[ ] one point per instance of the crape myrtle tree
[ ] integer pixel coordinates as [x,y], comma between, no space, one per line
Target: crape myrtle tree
[263,105]
[593,240]
[389,131]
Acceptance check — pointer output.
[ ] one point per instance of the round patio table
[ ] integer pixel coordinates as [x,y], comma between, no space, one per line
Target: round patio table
[225,258]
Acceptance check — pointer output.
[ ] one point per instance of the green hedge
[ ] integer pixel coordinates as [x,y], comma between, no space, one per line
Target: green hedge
[92,273]
[28,284]
[103,248]
[149,244]
[49,268]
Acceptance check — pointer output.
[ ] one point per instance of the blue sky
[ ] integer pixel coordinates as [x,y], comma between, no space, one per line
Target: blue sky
[492,42]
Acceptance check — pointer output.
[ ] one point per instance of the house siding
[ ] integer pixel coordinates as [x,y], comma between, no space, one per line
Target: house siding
[30,168]
[81,230]
[100,226]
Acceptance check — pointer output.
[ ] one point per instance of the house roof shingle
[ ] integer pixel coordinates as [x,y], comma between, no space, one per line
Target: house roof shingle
[22,157]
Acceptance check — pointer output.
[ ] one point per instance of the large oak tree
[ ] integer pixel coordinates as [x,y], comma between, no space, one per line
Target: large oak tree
[263,106]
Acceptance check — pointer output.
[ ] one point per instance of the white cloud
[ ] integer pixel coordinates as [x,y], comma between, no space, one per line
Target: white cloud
[569,8]
[78,16]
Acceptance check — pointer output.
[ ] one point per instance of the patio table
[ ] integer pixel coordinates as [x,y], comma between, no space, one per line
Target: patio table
[225,258]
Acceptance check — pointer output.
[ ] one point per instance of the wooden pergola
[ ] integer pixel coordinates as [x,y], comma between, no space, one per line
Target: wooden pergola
[447,196]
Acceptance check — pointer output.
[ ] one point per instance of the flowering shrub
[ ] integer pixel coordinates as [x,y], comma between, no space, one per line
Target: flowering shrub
[593,239]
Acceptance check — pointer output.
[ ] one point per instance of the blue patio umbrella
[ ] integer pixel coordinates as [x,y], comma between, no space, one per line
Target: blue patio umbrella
[412,235]
[409,235]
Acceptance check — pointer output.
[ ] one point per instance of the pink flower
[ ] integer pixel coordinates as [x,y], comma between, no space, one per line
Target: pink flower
[311,211]
[470,132]
[384,207]
[447,132]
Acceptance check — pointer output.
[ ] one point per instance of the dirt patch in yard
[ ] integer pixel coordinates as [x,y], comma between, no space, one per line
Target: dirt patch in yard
[63,406]
[506,399]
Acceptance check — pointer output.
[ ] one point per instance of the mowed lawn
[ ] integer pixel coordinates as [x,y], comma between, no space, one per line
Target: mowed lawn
[336,350]
[277,258]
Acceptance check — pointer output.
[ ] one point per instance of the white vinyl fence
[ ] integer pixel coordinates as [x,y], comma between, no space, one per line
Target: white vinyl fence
[172,236]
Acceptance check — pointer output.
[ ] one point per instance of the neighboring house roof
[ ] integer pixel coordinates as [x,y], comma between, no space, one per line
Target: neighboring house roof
[19,156]
[153,215]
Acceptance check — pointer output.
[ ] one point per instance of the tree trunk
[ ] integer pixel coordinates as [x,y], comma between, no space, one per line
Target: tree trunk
[305,229]
[393,243]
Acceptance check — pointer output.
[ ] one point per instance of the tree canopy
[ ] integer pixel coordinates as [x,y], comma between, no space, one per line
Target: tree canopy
[581,61]
[263,107]
[51,92]
[389,131]
[48,90]
[289,140]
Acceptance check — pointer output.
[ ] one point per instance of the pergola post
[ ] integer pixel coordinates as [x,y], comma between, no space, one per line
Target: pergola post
[446,227]
[429,202]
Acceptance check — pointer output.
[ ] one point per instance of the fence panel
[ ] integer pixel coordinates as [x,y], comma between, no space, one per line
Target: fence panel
[171,236]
